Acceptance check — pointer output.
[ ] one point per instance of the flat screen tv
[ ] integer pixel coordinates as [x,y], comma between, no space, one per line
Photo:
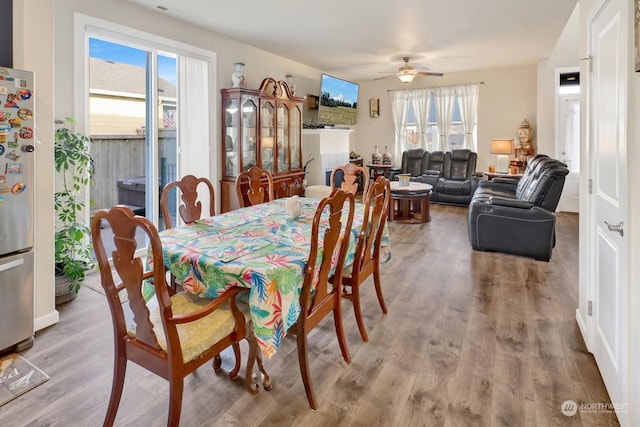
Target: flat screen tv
[338,101]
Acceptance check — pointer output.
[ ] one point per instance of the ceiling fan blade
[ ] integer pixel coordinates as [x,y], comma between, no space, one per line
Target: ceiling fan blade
[385,77]
[426,73]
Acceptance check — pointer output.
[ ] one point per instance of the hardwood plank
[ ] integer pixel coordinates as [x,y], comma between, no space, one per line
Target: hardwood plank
[471,338]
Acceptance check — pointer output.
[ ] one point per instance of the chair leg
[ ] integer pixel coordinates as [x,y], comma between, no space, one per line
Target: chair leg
[236,352]
[378,283]
[337,320]
[176,386]
[355,298]
[119,371]
[266,379]
[251,360]
[303,359]
[217,363]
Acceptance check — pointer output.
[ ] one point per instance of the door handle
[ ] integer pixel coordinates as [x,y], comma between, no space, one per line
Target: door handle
[616,227]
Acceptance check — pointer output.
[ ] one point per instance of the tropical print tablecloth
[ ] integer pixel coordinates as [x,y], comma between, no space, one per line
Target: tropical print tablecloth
[259,248]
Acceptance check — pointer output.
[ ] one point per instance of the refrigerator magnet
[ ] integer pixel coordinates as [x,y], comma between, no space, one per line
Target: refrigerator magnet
[16,122]
[11,101]
[24,113]
[1,150]
[4,189]
[3,179]
[13,157]
[23,94]
[18,187]
[26,133]
[12,168]
[1,200]
[13,144]
[3,90]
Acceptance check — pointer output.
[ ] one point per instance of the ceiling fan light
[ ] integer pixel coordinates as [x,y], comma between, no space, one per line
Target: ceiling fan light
[406,77]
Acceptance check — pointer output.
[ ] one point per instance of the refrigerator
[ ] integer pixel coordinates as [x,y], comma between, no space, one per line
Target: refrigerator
[16,209]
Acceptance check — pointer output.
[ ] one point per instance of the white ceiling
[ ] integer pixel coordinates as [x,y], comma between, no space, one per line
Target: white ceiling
[358,39]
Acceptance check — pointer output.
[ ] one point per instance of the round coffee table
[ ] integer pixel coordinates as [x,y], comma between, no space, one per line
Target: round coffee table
[410,203]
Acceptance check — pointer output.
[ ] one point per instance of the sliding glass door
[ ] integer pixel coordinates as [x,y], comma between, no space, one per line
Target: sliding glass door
[133,123]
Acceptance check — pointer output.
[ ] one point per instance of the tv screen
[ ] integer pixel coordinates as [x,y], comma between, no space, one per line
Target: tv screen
[338,101]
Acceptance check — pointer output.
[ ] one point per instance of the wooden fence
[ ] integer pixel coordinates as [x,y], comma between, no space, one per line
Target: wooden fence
[118,158]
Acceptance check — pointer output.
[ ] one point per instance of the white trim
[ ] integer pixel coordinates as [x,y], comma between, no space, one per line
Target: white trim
[88,26]
[47,320]
[108,30]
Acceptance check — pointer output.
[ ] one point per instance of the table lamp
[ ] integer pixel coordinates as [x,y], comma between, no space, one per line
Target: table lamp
[502,147]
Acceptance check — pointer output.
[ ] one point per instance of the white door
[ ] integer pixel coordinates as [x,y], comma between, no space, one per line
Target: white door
[569,150]
[608,44]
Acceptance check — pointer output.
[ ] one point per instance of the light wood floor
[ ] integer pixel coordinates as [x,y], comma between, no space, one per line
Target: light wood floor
[471,338]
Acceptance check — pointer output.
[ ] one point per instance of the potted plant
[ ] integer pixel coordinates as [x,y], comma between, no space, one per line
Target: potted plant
[72,237]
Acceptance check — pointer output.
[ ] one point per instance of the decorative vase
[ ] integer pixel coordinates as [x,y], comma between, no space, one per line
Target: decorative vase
[376,157]
[386,156]
[291,83]
[238,78]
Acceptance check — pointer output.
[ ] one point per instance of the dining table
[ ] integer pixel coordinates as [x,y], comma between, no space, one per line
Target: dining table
[260,247]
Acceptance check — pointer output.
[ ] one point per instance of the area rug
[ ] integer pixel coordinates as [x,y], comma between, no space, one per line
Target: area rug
[18,376]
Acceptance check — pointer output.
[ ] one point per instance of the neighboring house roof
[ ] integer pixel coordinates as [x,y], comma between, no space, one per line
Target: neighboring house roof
[122,78]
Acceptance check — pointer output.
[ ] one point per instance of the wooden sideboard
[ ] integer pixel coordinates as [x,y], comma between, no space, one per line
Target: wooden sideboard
[261,127]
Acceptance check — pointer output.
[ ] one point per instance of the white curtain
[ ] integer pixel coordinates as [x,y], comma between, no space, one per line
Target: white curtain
[444,97]
[399,104]
[468,104]
[420,104]
[193,117]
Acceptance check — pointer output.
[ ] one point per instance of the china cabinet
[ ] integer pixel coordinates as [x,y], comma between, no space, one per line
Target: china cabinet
[261,127]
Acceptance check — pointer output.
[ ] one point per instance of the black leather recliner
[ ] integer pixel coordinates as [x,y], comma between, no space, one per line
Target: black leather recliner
[414,162]
[517,217]
[453,176]
[434,168]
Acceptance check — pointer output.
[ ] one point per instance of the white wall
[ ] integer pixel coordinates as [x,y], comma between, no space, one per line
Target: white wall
[507,96]
[34,51]
[566,53]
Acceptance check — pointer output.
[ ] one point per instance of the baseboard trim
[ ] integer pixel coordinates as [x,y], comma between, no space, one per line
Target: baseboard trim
[583,329]
[47,320]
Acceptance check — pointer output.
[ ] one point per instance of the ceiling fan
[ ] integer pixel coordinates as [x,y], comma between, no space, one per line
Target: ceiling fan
[407,73]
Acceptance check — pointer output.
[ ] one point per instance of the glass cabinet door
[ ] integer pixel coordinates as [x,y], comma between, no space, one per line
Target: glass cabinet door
[267,135]
[231,112]
[296,144]
[249,154]
[283,137]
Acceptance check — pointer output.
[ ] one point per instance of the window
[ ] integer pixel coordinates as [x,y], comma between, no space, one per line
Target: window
[455,138]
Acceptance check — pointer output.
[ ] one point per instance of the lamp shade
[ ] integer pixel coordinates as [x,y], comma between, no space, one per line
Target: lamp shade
[501,146]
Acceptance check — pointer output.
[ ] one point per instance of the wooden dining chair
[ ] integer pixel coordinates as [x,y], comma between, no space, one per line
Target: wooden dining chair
[250,189]
[367,255]
[190,208]
[319,296]
[171,335]
[350,173]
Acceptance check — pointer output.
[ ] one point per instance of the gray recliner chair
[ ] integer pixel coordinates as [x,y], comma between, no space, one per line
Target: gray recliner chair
[517,217]
[414,162]
[453,176]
